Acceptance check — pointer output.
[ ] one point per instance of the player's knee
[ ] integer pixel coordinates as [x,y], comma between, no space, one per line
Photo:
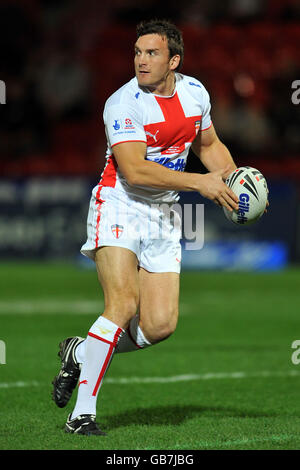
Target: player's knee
[160,330]
[160,333]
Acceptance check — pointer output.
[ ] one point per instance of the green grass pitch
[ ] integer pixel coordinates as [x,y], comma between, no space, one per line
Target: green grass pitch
[224,380]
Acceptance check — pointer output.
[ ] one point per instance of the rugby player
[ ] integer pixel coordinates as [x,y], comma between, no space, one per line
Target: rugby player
[151,123]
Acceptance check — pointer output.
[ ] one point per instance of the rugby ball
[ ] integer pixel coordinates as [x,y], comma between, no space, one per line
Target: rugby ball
[251,188]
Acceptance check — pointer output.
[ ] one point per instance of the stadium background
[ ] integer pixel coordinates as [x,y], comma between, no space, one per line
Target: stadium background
[60,60]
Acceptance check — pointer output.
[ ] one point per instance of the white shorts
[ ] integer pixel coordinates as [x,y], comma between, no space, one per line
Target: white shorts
[152,231]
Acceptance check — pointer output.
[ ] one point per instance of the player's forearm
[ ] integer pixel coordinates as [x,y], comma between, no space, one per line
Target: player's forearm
[210,185]
[216,156]
[157,176]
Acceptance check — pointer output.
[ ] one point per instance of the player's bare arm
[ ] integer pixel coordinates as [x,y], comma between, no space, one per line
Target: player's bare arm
[212,152]
[131,161]
[214,155]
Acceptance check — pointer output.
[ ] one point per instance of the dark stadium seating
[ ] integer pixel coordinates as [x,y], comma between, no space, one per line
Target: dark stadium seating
[218,54]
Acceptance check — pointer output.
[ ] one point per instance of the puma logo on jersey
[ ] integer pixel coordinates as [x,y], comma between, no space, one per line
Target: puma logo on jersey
[153,135]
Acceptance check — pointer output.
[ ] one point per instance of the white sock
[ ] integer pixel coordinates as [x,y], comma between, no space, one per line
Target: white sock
[100,345]
[132,340]
[80,351]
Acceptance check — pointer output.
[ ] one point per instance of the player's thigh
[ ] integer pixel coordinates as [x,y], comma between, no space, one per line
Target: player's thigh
[117,270]
[159,299]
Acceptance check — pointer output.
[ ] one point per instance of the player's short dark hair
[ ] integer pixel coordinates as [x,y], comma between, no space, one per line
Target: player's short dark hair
[166,29]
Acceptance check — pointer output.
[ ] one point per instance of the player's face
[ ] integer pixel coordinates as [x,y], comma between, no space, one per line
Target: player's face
[153,66]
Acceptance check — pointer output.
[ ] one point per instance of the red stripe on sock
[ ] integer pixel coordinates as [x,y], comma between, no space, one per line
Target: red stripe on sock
[108,357]
[117,335]
[106,362]
[101,339]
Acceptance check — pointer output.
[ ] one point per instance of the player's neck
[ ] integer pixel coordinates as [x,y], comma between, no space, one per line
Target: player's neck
[166,87]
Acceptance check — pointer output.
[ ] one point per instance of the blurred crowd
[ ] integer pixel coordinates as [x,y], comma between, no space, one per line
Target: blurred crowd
[61,59]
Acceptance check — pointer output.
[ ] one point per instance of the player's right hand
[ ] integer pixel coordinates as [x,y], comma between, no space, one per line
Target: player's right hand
[214,188]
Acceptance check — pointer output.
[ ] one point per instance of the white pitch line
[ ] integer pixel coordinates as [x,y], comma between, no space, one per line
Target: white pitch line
[49,306]
[208,376]
[20,384]
[55,307]
[176,378]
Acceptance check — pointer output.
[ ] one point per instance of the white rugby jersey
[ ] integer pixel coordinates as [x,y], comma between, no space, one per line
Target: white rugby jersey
[167,124]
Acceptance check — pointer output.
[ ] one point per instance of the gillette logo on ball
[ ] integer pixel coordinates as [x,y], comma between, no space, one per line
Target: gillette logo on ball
[243,208]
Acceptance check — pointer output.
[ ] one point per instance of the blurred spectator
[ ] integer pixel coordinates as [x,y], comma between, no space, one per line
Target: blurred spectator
[63,86]
[196,13]
[245,128]
[284,114]
[245,11]
[204,12]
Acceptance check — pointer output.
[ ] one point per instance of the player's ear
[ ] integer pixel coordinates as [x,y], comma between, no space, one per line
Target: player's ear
[174,61]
